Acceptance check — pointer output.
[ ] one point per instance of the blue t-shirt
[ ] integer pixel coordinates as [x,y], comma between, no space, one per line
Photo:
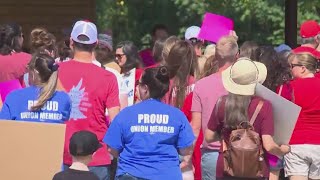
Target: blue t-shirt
[148,136]
[17,106]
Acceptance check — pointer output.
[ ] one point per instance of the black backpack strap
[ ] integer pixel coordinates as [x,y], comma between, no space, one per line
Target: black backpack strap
[256,112]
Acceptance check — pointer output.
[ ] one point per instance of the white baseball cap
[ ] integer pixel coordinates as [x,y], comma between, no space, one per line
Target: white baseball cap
[192,32]
[87,29]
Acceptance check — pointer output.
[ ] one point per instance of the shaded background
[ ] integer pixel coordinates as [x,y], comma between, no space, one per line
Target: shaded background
[259,20]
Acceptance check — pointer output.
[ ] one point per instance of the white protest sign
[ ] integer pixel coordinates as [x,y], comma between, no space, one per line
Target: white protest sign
[285,114]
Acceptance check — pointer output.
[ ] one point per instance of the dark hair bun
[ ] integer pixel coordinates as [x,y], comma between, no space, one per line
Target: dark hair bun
[163,74]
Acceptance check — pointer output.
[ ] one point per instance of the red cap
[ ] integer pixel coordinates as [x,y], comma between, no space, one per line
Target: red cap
[309,29]
[309,50]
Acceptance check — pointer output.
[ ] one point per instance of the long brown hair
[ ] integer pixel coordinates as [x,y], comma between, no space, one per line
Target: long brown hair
[168,44]
[181,62]
[46,69]
[236,110]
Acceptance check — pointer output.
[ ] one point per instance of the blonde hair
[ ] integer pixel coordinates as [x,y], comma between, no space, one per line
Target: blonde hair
[210,50]
[168,44]
[210,65]
[226,49]
[305,59]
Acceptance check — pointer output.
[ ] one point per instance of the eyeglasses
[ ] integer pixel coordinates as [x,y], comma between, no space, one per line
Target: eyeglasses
[295,65]
[119,56]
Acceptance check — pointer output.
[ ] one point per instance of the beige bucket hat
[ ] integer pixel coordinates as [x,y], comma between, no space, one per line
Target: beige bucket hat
[242,77]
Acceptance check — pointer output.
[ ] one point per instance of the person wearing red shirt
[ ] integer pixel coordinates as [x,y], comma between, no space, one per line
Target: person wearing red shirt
[310,34]
[13,62]
[91,90]
[196,156]
[303,161]
[183,66]
[159,31]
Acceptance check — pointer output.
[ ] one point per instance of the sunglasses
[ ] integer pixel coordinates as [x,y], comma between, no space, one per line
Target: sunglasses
[195,41]
[295,65]
[119,56]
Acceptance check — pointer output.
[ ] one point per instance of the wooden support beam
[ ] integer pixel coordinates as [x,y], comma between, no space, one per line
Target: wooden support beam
[291,8]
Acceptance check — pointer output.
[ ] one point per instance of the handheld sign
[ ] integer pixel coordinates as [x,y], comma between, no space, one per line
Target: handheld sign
[285,114]
[215,26]
[30,150]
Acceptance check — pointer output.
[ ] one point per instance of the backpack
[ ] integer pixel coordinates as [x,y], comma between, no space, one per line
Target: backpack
[243,155]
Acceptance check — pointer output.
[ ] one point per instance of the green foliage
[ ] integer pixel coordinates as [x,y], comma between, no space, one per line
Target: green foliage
[258,20]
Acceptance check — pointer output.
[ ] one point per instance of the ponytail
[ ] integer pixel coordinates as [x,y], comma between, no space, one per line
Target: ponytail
[47,70]
[47,91]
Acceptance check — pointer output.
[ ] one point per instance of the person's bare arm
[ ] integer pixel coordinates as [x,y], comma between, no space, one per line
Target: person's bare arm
[196,124]
[211,136]
[271,147]
[113,112]
[113,152]
[186,151]
[123,101]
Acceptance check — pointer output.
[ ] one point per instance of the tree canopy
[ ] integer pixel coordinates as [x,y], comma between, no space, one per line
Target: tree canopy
[262,21]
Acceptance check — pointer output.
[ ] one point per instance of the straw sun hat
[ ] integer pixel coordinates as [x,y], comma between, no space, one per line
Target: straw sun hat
[242,77]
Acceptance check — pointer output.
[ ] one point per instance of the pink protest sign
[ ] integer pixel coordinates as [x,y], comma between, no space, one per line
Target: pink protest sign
[8,86]
[214,27]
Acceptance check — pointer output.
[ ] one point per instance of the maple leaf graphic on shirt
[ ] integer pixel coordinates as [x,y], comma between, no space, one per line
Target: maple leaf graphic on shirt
[76,95]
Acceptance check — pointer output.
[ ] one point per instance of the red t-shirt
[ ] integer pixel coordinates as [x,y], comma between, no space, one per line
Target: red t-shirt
[146,56]
[196,156]
[13,66]
[286,91]
[306,49]
[306,95]
[263,125]
[92,90]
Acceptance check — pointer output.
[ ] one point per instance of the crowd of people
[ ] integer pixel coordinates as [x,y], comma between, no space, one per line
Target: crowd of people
[185,108]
